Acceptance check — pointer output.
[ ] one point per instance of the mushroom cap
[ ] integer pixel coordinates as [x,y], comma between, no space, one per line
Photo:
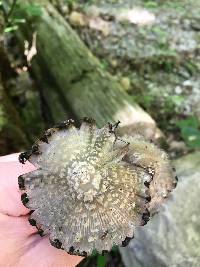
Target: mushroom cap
[156,162]
[88,192]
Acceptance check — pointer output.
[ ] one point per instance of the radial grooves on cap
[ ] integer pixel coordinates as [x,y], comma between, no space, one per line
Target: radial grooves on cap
[90,190]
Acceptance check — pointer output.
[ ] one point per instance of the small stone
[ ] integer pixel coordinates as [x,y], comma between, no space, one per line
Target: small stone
[125,82]
[64,9]
[114,62]
[77,19]
[188,84]
[178,90]
[100,25]
[93,11]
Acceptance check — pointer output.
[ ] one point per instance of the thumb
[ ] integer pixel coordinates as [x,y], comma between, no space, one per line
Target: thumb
[10,196]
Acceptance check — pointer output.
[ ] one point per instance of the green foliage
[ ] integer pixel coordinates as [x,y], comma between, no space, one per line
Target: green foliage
[170,102]
[101,261]
[11,28]
[148,100]
[11,22]
[151,4]
[33,10]
[191,67]
[13,16]
[173,101]
[162,36]
[190,131]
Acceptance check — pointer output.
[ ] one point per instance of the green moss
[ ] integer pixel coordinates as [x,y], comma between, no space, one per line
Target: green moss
[190,131]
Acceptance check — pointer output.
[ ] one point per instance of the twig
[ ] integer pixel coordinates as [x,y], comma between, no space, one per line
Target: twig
[4,13]
[11,9]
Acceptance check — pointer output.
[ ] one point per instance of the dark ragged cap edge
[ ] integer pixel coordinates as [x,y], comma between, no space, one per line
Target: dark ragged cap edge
[64,124]
[32,221]
[41,232]
[21,182]
[113,127]
[59,126]
[147,200]
[145,217]
[77,252]
[24,199]
[88,120]
[35,150]
[126,241]
[24,156]
[175,182]
[56,243]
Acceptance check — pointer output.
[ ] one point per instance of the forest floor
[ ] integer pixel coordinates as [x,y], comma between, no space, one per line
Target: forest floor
[153,49]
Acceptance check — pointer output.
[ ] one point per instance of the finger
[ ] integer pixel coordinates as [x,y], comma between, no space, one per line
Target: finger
[16,227]
[14,233]
[10,195]
[20,246]
[42,254]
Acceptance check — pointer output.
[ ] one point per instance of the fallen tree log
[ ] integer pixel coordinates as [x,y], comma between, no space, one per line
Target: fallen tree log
[81,84]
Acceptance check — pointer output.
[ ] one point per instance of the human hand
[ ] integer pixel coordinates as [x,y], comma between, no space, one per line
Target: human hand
[20,245]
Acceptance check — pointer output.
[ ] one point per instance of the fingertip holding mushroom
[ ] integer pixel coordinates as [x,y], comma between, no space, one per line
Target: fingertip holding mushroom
[92,188]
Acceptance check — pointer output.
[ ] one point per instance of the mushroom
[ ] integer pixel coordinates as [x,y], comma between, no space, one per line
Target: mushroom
[92,188]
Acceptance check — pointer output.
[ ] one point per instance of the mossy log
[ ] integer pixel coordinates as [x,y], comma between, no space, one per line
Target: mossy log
[81,84]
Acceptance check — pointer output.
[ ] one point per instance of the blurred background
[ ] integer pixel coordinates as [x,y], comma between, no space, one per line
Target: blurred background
[129,60]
